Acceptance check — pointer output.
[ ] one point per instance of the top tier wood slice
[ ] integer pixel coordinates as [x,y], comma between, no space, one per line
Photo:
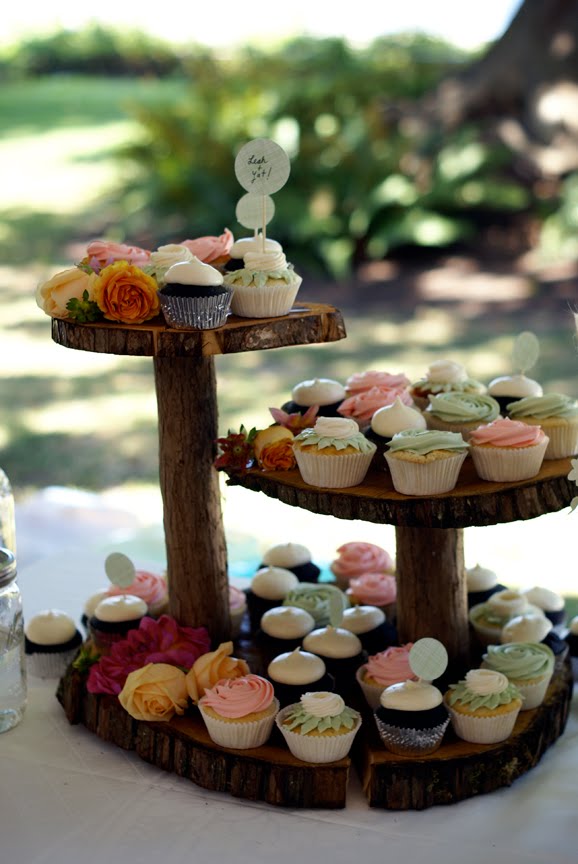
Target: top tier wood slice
[187,409]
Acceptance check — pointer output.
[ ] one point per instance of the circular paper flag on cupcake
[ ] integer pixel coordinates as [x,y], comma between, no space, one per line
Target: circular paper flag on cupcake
[262,167]
[253,211]
[120,569]
[428,659]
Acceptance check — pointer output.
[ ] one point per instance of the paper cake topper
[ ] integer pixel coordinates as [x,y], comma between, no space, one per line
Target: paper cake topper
[120,569]
[525,352]
[262,167]
[255,210]
[428,659]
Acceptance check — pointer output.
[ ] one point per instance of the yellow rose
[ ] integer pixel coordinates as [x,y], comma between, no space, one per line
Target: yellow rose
[126,293]
[273,449]
[53,295]
[211,667]
[155,692]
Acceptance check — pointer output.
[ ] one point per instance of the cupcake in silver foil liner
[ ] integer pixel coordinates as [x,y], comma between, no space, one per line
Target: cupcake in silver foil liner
[194,296]
[411,742]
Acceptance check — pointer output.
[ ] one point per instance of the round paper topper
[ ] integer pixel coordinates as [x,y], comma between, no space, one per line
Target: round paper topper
[252,208]
[428,659]
[262,167]
[119,569]
[525,352]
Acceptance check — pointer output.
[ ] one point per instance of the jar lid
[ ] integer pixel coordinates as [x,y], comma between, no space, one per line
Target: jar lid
[7,567]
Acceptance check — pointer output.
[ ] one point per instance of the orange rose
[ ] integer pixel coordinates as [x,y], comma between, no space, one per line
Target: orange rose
[125,293]
[212,667]
[273,449]
[155,692]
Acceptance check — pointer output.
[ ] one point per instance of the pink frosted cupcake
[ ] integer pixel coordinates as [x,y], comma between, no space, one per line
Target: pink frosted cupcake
[362,381]
[374,589]
[240,712]
[355,559]
[508,450]
[362,405]
[384,669]
[212,250]
[150,587]
[237,609]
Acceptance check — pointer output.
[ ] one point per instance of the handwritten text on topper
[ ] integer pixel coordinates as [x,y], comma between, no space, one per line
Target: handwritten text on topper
[262,167]
[251,208]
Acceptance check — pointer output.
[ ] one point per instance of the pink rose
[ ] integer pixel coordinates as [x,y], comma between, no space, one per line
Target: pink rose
[208,249]
[101,253]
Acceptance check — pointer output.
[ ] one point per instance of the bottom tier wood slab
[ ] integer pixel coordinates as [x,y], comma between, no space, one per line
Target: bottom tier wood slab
[457,771]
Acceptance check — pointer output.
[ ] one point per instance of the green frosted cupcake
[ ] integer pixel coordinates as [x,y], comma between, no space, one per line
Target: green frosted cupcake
[527,665]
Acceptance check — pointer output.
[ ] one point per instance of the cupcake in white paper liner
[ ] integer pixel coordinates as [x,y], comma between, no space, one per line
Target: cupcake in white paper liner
[320,728]
[483,707]
[334,454]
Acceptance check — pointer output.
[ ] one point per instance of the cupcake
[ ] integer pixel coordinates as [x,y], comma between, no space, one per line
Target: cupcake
[334,454]
[239,713]
[360,382]
[324,393]
[296,672]
[551,603]
[319,728]
[370,625]
[90,605]
[164,257]
[556,415]
[535,627]
[508,450]
[443,376]
[411,718]
[51,642]
[425,463]
[391,419]
[265,287]
[362,406]
[282,629]
[355,559]
[374,589]
[383,670]
[325,603]
[239,248]
[527,665]
[113,618]
[488,619]
[212,250]
[483,707]
[194,296]
[293,557]
[511,388]
[340,650]
[460,412]
[150,587]
[213,667]
[237,609]
[481,584]
[269,587]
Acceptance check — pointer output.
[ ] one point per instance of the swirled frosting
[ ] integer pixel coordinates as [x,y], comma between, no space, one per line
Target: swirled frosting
[411,696]
[361,381]
[397,417]
[463,407]
[529,627]
[287,622]
[508,602]
[165,256]
[319,712]
[296,667]
[516,386]
[362,619]
[445,375]
[209,249]
[253,244]
[150,587]
[324,602]
[426,442]
[335,432]
[318,391]
[273,583]
[193,273]
[50,627]
[358,558]
[363,405]
[390,666]
[519,661]
[480,578]
[236,697]
[483,688]
[545,599]
[269,260]
[543,407]
[287,555]
[335,643]
[375,589]
[507,433]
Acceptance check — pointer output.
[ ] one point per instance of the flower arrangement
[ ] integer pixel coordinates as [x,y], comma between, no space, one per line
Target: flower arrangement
[270,449]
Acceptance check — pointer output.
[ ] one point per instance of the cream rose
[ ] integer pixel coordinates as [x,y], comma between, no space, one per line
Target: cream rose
[212,667]
[155,692]
[53,295]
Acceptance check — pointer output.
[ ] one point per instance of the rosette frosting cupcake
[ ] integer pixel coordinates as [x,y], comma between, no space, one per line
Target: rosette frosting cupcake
[325,394]
[483,707]
[557,415]
[239,713]
[508,450]
[383,670]
[212,250]
[362,405]
[212,667]
[443,376]
[374,589]
[528,665]
[265,287]
[356,558]
[460,412]
[334,454]
[320,728]
[150,587]
[361,381]
[425,463]
[51,641]
[194,296]
[324,602]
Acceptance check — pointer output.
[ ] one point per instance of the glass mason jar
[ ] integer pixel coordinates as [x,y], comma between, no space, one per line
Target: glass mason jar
[12,658]
[7,527]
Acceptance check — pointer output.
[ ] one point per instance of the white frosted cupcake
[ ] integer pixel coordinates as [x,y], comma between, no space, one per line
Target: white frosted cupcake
[325,394]
[282,629]
[266,287]
[51,642]
[341,651]
[370,625]
[320,728]
[239,713]
[296,672]
[510,388]
[194,297]
[334,454]
[508,450]
[425,463]
[550,602]
[294,557]
[490,617]
[443,376]
[483,707]
[391,419]
[557,415]
[481,584]
[269,587]
[411,718]
[113,618]
[528,627]
[528,665]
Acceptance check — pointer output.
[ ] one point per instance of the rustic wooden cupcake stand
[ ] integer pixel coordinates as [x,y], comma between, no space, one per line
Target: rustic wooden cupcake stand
[430,565]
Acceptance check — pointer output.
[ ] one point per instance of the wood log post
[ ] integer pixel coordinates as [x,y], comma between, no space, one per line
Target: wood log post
[431,590]
[194,534]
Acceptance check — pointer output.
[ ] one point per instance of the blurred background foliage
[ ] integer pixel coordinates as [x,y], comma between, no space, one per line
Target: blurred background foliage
[366,181]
